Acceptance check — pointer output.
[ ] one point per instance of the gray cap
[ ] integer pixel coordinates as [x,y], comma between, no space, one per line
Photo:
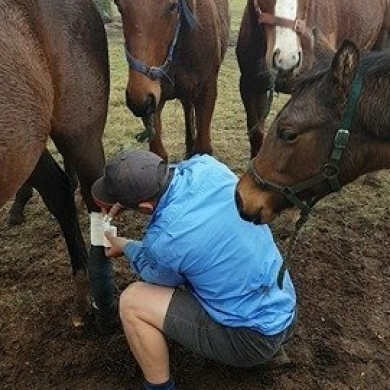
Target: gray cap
[130,178]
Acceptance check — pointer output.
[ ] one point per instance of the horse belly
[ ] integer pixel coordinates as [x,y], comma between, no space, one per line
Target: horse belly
[78,55]
[26,102]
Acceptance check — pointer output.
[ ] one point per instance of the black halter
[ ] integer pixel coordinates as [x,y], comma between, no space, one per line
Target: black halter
[159,72]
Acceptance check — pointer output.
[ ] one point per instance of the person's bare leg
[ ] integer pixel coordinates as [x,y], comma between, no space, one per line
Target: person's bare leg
[142,309]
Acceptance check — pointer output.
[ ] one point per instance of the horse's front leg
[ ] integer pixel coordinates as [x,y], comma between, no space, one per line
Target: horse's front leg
[257,102]
[88,160]
[155,143]
[189,121]
[204,109]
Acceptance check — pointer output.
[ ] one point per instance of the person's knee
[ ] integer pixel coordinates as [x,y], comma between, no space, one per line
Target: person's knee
[131,300]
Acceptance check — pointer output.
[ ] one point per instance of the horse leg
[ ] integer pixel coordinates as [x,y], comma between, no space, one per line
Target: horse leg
[71,172]
[256,103]
[204,108]
[155,144]
[16,213]
[54,187]
[88,161]
[25,193]
[189,120]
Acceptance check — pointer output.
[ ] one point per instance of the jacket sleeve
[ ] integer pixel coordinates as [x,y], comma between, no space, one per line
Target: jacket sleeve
[148,268]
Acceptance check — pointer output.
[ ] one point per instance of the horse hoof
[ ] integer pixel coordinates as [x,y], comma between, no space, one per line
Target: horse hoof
[106,322]
[16,219]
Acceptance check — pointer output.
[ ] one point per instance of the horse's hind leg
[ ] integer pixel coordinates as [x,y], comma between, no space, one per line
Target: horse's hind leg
[54,187]
[16,213]
[25,193]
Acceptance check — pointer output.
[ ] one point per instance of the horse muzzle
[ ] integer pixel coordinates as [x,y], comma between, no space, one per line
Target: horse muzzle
[144,108]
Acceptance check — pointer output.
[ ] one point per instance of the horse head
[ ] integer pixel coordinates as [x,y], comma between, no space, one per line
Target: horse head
[302,158]
[289,37]
[151,31]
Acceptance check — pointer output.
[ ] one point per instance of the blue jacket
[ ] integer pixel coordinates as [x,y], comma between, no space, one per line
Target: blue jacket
[196,237]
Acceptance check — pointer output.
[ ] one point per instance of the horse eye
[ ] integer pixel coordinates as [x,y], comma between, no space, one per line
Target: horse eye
[287,135]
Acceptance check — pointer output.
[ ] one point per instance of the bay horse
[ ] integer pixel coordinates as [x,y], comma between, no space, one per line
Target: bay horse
[54,74]
[174,49]
[277,43]
[333,129]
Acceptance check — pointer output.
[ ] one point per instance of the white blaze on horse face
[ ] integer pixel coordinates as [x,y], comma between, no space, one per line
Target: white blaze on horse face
[287,49]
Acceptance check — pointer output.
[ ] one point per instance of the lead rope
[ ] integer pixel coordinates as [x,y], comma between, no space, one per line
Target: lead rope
[291,246]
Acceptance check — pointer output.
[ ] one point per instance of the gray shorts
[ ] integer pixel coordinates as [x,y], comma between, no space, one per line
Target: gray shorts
[189,324]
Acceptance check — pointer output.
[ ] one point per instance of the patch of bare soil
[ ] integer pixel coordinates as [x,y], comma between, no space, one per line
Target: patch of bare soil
[341,270]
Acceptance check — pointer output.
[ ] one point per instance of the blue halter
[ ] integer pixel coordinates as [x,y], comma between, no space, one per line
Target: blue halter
[159,72]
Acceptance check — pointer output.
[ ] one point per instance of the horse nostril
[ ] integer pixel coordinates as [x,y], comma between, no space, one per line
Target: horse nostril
[147,107]
[276,59]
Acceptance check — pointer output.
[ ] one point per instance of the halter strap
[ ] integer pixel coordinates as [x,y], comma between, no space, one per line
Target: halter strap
[297,25]
[160,72]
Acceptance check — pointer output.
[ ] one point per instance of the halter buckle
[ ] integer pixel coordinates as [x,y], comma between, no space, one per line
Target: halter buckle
[299,26]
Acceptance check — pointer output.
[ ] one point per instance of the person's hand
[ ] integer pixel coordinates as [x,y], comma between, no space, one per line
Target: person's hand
[116,209]
[117,245]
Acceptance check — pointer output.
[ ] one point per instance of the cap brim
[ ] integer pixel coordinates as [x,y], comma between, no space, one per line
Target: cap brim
[100,196]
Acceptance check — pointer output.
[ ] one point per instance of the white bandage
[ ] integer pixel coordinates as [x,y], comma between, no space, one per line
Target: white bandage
[98,226]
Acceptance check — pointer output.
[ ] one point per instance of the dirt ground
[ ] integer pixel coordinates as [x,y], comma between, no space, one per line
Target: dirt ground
[342,275]
[341,270]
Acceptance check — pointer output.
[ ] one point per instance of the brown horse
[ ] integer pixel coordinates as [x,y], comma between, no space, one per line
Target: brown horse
[334,128]
[277,44]
[54,76]
[174,49]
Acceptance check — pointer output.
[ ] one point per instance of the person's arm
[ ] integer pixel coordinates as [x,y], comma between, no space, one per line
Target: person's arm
[148,268]
[143,263]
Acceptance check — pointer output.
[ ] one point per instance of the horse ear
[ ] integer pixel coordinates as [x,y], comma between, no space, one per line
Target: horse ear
[343,70]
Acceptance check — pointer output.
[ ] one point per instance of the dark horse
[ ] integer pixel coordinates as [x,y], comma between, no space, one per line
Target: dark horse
[277,44]
[174,49]
[334,128]
[54,76]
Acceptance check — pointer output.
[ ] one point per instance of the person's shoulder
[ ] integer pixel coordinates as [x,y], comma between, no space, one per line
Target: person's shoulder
[208,160]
